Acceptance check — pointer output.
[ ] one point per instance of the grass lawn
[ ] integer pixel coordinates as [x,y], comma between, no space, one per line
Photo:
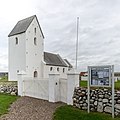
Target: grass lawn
[117,84]
[5,78]
[5,101]
[84,84]
[71,113]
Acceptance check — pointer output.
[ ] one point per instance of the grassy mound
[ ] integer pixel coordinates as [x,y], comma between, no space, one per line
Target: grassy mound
[71,113]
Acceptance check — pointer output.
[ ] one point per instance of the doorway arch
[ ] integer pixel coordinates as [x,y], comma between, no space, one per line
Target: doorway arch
[35,74]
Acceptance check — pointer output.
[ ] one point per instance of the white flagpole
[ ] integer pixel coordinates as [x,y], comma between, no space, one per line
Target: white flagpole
[77,41]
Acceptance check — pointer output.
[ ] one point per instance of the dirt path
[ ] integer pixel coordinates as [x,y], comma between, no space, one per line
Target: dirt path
[26,108]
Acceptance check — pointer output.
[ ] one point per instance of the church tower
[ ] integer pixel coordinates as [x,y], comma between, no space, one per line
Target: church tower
[26,48]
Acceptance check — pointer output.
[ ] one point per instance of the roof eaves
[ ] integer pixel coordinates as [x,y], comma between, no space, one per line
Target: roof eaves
[56,65]
[16,33]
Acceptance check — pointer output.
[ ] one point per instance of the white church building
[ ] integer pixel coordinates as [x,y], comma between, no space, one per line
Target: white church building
[26,52]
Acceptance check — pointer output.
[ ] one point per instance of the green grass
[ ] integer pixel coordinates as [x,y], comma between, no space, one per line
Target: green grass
[71,113]
[4,78]
[117,84]
[5,101]
[84,84]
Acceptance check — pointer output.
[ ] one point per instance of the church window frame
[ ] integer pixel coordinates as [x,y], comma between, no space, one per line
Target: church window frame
[35,30]
[51,68]
[35,41]
[16,40]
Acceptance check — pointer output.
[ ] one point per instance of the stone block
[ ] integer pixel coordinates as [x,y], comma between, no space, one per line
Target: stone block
[95,103]
[118,101]
[108,109]
[100,107]
[84,108]
[101,96]
[117,106]
[105,100]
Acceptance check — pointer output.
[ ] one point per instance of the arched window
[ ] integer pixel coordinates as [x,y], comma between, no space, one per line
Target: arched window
[63,70]
[58,69]
[16,40]
[51,68]
[35,41]
[35,31]
[35,74]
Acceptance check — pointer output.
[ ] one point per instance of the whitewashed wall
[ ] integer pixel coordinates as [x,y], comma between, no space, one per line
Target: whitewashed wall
[84,78]
[17,57]
[116,78]
[53,89]
[36,88]
[63,90]
[47,71]
[26,56]
[34,54]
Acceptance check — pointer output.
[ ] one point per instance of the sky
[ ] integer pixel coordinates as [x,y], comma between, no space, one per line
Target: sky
[99,29]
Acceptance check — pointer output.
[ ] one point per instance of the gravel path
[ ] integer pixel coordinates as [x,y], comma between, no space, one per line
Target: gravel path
[27,108]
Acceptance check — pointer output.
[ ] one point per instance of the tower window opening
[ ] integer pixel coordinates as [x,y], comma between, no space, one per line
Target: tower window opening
[35,41]
[35,31]
[16,40]
[51,68]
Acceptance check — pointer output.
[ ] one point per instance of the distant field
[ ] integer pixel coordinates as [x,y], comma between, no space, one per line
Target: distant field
[8,82]
[84,84]
[5,78]
[4,81]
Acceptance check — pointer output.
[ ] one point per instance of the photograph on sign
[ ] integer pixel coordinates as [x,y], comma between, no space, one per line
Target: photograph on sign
[100,77]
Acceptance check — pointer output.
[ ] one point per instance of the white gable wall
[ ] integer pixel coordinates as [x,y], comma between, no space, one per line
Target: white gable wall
[16,55]
[34,52]
[26,56]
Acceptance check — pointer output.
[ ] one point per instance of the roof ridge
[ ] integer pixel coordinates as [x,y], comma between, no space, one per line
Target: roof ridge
[27,18]
[50,53]
[22,26]
[54,59]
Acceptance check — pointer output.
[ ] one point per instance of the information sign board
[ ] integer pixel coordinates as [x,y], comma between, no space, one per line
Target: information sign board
[100,76]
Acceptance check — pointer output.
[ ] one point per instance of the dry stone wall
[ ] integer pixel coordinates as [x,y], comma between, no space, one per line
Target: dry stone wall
[100,100]
[9,89]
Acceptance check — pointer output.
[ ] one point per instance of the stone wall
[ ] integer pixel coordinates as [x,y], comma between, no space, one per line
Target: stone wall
[10,89]
[100,100]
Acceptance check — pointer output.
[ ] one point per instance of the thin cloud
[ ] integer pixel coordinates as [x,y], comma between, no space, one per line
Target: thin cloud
[99,27]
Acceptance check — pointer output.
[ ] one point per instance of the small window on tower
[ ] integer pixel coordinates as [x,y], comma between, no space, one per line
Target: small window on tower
[35,41]
[51,68]
[35,30]
[57,69]
[63,70]
[16,40]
